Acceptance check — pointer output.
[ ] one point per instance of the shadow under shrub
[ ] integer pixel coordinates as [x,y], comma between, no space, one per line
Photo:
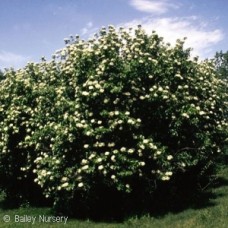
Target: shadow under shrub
[187,190]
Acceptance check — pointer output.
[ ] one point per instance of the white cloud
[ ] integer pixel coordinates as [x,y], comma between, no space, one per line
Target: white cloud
[199,36]
[87,28]
[9,59]
[154,6]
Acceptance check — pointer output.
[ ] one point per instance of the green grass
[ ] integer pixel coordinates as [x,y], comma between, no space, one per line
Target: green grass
[214,214]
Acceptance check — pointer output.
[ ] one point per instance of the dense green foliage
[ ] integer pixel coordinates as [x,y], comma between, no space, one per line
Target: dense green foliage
[221,64]
[123,111]
[1,75]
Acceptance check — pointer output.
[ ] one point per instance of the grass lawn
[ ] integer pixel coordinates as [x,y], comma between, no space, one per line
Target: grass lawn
[215,214]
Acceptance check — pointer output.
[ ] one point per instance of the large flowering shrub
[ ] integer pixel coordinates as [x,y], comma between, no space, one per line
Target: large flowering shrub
[121,110]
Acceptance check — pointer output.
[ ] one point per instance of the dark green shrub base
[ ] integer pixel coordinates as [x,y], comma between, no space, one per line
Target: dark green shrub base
[21,193]
[107,204]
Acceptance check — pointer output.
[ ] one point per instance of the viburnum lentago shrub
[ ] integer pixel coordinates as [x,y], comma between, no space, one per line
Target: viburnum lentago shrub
[121,109]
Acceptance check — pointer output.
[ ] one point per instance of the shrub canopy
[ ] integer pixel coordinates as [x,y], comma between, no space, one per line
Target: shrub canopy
[122,110]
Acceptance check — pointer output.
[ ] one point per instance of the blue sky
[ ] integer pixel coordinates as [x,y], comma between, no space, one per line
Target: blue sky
[30,29]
